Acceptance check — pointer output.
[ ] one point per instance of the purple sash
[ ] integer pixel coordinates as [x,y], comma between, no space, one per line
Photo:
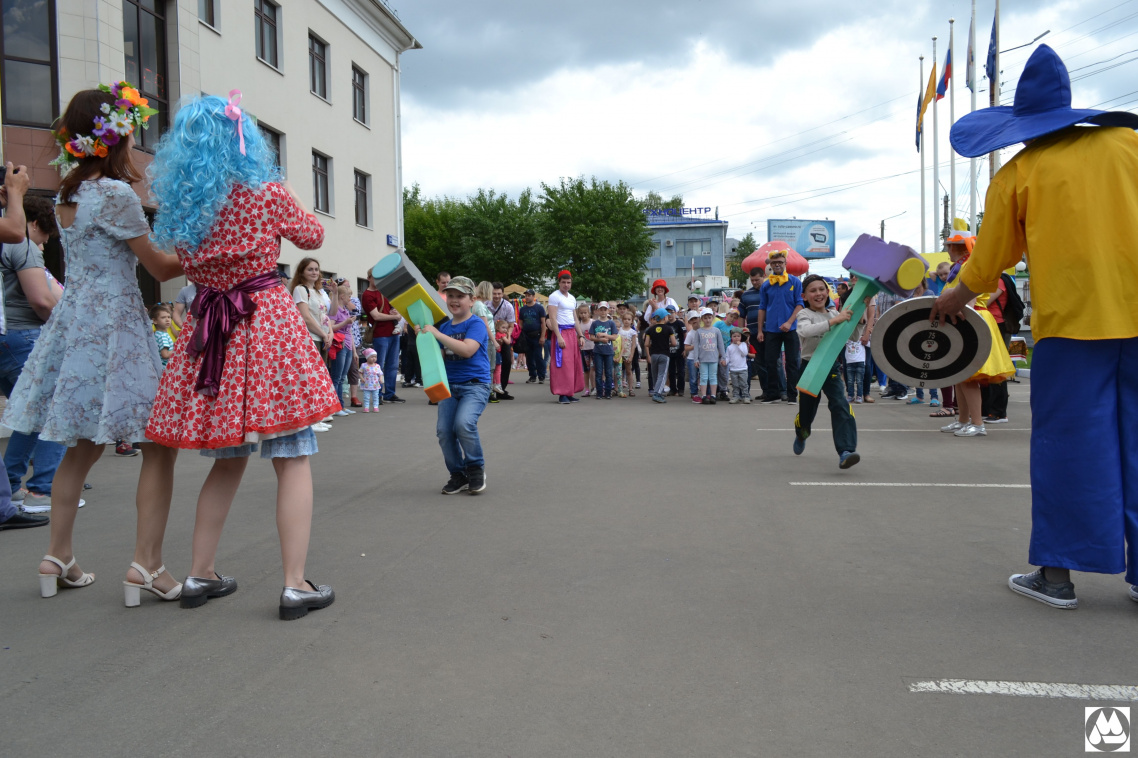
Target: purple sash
[557,347]
[217,313]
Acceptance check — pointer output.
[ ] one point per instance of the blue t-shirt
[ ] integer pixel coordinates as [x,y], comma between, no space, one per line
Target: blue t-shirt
[779,302]
[936,285]
[531,316]
[603,327]
[477,366]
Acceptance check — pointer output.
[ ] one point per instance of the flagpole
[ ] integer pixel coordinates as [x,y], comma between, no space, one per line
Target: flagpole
[951,121]
[936,163]
[972,88]
[921,85]
[994,90]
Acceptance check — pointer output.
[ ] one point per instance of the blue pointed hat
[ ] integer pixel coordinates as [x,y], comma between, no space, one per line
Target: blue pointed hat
[1042,106]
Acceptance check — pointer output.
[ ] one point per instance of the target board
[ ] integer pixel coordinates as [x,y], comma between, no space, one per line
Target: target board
[915,352]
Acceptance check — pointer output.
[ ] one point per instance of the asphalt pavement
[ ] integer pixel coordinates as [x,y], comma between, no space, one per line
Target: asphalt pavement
[637,580]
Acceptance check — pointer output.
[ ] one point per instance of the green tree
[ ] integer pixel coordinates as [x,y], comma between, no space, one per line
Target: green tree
[431,232]
[654,200]
[597,231]
[499,239]
[746,246]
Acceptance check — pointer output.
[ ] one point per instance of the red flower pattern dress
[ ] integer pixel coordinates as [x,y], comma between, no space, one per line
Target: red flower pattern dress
[274,383]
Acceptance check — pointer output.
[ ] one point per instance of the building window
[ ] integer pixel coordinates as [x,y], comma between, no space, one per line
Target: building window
[275,139]
[266,18]
[653,274]
[692,248]
[359,95]
[144,46]
[30,83]
[363,201]
[210,12]
[317,67]
[320,194]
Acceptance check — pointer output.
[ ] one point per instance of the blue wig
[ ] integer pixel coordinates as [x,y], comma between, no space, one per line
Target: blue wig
[196,166]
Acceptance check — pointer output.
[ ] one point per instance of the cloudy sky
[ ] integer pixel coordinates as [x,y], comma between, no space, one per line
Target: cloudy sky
[765,110]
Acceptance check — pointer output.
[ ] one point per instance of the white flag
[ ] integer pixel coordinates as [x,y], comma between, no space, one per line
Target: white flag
[970,71]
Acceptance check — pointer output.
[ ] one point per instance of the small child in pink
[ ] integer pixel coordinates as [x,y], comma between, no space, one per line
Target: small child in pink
[371,381]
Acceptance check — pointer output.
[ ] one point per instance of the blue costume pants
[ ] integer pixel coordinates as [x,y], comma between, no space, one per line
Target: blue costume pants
[1084,456]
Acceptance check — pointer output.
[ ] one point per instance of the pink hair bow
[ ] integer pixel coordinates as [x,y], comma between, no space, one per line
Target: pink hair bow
[234,112]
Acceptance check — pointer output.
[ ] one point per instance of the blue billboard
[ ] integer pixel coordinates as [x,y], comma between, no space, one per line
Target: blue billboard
[810,239]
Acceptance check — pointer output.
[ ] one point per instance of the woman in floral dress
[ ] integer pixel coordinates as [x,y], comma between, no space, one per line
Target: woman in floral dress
[91,377]
[244,372]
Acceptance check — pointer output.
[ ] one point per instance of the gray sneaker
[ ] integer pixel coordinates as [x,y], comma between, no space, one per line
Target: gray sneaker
[1134,593]
[1055,594]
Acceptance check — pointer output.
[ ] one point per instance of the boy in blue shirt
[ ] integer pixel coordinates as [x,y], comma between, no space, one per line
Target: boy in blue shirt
[780,300]
[464,341]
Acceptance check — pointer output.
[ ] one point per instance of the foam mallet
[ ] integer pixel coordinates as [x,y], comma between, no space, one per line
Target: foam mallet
[412,296]
[879,266]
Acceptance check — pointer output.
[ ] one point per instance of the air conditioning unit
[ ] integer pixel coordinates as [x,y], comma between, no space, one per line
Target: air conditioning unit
[669,243]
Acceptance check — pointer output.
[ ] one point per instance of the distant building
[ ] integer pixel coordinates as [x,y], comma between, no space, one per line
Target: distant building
[321,78]
[683,243]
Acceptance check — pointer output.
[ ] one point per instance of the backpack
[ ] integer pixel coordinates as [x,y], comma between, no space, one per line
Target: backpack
[1013,305]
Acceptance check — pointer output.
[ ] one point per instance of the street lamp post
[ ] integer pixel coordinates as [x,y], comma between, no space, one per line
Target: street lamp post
[902,213]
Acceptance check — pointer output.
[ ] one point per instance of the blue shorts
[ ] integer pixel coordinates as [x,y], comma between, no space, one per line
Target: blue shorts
[295,445]
[709,373]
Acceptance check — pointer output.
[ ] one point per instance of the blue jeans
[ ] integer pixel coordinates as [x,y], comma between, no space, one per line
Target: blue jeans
[855,375]
[604,368]
[933,393]
[387,356]
[535,356]
[15,346]
[693,377]
[339,369]
[457,427]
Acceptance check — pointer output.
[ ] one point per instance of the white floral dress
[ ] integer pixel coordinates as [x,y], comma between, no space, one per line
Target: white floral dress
[94,370]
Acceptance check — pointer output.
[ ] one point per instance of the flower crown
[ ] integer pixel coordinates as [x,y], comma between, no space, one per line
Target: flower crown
[130,111]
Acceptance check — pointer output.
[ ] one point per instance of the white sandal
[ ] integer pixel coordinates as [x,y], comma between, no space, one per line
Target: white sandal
[132,593]
[49,583]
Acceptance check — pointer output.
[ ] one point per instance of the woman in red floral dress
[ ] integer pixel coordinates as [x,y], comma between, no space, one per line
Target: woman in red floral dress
[244,373]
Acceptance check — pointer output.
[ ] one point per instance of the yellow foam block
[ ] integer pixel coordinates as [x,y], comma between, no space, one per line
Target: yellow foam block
[404,299]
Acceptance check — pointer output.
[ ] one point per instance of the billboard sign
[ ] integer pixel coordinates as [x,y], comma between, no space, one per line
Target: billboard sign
[811,239]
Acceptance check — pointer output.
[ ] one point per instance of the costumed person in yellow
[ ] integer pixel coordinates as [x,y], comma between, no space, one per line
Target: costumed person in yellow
[998,368]
[1069,200]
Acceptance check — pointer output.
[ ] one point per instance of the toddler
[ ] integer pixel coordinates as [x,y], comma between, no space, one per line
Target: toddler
[855,370]
[737,366]
[161,316]
[501,339]
[693,366]
[584,322]
[371,381]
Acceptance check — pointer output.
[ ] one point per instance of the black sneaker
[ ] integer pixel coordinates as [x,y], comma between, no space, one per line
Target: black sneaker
[769,400]
[394,399]
[531,380]
[708,400]
[458,482]
[477,477]
[22,520]
[1034,586]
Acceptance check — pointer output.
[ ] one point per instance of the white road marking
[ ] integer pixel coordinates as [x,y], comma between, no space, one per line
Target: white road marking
[816,430]
[1106,692]
[906,484]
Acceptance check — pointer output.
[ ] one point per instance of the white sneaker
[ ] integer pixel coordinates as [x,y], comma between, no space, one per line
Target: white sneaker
[36,503]
[342,412]
[321,427]
[971,430]
[953,427]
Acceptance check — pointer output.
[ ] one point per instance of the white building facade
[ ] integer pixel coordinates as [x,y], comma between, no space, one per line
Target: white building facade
[321,78]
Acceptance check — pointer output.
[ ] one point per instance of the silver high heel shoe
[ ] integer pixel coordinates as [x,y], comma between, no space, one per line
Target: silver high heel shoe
[197,591]
[296,603]
[132,592]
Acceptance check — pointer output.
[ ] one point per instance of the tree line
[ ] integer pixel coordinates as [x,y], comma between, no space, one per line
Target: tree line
[596,229]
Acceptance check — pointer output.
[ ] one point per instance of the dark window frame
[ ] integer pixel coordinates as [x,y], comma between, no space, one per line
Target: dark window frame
[52,63]
[262,21]
[273,137]
[362,197]
[321,165]
[147,140]
[359,94]
[317,59]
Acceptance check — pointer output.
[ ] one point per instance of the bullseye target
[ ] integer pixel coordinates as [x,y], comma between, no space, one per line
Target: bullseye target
[914,352]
